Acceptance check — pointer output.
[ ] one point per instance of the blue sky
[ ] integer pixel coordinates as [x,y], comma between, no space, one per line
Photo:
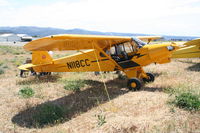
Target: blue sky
[159,17]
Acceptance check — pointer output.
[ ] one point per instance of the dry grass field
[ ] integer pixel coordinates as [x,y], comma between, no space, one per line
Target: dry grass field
[77,102]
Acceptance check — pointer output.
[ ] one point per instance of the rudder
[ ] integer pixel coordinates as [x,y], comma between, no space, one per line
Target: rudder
[41,57]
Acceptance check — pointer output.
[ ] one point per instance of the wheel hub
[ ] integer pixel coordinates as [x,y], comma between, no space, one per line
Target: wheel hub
[133,85]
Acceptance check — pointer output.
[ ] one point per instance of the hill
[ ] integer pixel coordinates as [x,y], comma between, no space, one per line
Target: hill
[46,31]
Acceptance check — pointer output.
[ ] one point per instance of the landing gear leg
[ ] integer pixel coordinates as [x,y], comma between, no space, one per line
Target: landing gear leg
[136,76]
[150,78]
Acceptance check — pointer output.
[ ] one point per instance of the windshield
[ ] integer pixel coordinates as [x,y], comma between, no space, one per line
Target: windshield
[139,42]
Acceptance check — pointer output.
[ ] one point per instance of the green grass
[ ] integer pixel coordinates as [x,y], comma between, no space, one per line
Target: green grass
[12,50]
[187,101]
[3,66]
[49,114]
[1,63]
[2,71]
[101,119]
[177,89]
[17,61]
[26,92]
[170,90]
[74,85]
[185,96]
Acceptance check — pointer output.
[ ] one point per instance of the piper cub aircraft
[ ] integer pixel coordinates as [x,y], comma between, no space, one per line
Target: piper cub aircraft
[99,53]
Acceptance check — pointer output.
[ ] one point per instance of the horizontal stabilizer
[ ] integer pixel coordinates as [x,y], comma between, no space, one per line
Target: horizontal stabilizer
[26,67]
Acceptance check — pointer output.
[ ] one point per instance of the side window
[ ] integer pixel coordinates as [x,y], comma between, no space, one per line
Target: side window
[120,49]
[112,50]
[134,46]
[128,47]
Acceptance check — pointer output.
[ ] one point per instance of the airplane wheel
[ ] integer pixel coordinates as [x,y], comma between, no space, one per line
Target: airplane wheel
[24,73]
[150,78]
[134,84]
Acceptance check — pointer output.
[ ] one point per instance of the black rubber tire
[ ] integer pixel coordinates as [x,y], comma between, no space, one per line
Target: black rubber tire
[137,82]
[150,79]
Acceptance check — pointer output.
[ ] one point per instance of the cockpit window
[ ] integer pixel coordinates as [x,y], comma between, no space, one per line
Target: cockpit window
[112,50]
[139,42]
[128,47]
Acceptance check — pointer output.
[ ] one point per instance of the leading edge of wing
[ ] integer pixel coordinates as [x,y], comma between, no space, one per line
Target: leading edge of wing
[149,38]
[73,42]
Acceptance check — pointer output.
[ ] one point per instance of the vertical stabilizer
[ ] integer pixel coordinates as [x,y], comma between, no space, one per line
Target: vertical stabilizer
[41,57]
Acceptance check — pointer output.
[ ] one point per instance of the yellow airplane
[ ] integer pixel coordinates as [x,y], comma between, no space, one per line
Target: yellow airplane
[99,53]
[189,49]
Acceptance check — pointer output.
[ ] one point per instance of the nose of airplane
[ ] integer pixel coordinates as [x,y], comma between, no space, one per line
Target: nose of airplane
[172,47]
[155,53]
[162,53]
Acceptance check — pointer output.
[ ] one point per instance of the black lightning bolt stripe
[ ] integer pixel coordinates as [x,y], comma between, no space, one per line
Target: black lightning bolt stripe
[104,59]
[100,60]
[138,55]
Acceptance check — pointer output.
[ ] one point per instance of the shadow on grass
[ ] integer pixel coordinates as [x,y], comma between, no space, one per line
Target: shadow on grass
[157,74]
[195,67]
[153,89]
[188,61]
[37,80]
[67,107]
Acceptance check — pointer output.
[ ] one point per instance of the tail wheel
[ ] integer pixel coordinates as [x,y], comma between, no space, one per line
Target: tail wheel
[150,78]
[24,73]
[134,84]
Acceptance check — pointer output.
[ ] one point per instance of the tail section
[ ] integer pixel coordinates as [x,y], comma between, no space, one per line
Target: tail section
[41,58]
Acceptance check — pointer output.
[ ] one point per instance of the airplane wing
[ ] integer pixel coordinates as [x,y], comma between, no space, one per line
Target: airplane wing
[190,49]
[149,38]
[73,42]
[193,42]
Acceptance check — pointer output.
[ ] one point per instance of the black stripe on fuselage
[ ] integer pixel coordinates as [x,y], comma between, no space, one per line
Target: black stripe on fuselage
[138,55]
[100,60]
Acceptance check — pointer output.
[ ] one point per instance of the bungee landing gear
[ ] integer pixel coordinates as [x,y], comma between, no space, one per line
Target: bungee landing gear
[137,77]
[150,78]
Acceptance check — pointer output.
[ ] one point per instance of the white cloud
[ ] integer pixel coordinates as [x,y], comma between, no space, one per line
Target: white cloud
[142,16]
[4,3]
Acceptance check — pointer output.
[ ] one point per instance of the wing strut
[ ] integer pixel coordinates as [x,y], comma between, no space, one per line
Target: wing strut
[105,87]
